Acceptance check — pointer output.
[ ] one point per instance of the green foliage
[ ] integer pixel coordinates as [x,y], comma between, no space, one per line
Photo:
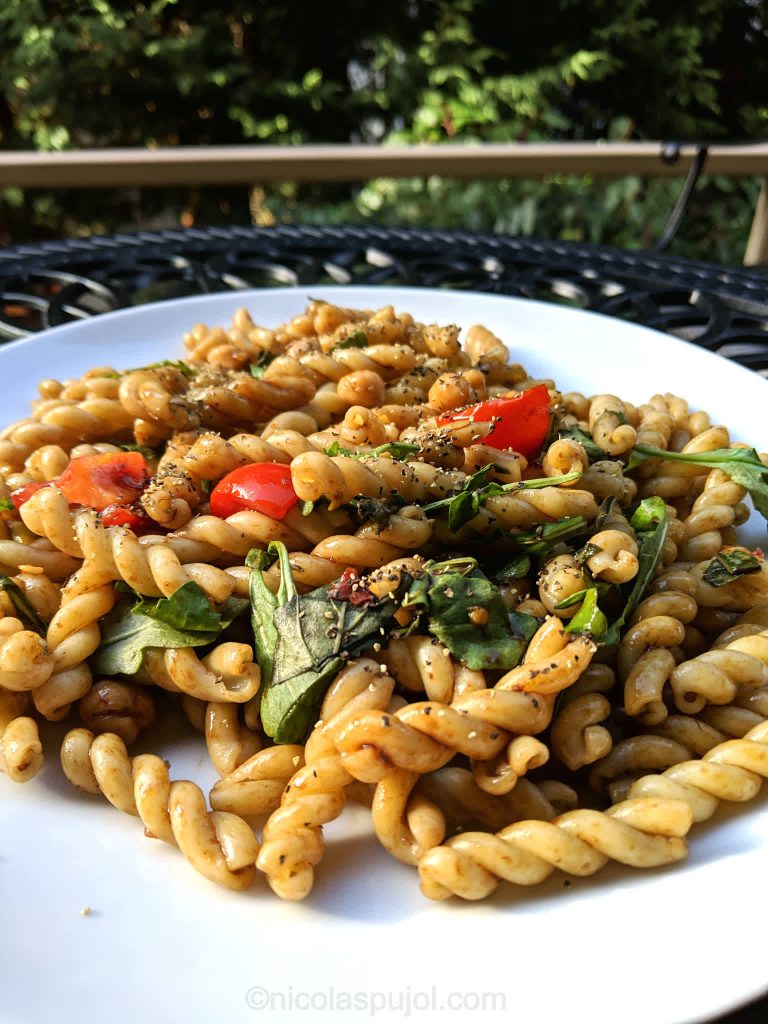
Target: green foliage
[176,72]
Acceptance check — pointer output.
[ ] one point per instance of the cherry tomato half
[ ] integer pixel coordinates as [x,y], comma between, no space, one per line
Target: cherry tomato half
[114,478]
[521,421]
[264,487]
[21,494]
[124,515]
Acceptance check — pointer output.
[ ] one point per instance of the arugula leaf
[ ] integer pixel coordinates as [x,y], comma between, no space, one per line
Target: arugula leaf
[545,536]
[264,604]
[21,605]
[303,641]
[168,622]
[178,364]
[572,599]
[742,465]
[357,340]
[6,505]
[370,510]
[259,367]
[727,566]
[593,451]
[186,608]
[149,453]
[589,619]
[607,513]
[468,615]
[649,521]
[399,450]
[584,554]
[516,569]
[476,490]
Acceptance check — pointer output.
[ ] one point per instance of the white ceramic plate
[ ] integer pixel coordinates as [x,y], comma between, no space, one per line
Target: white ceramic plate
[161,943]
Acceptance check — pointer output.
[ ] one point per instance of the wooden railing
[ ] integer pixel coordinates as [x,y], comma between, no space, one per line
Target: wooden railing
[232,165]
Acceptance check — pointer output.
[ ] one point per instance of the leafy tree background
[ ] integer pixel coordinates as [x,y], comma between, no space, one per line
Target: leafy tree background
[181,72]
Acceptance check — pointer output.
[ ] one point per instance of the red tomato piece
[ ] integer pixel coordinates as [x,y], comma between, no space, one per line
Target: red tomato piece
[114,478]
[124,515]
[21,494]
[521,421]
[264,487]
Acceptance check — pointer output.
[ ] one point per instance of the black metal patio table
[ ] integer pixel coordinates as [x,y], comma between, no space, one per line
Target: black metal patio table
[723,309]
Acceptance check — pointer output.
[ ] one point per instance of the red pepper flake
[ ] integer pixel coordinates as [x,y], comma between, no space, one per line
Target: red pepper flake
[347,588]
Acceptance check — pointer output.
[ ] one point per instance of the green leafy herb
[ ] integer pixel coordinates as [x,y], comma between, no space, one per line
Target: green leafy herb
[397,449]
[466,612]
[516,569]
[545,536]
[742,465]
[468,615]
[572,599]
[186,608]
[150,454]
[588,551]
[589,620]
[728,566]
[264,604]
[476,490]
[259,367]
[21,605]
[6,505]
[593,451]
[302,642]
[357,340]
[185,619]
[370,510]
[649,521]
[177,364]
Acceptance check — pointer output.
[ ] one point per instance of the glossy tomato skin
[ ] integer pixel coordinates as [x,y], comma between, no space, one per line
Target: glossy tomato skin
[22,494]
[521,421]
[124,515]
[264,487]
[112,478]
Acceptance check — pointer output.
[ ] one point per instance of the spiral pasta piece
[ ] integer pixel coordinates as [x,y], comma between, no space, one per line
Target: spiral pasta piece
[116,707]
[674,480]
[230,742]
[646,662]
[256,786]
[608,424]
[227,674]
[715,676]
[21,752]
[425,735]
[577,736]
[64,423]
[73,636]
[640,832]
[455,791]
[371,546]
[176,489]
[716,509]
[115,553]
[338,479]
[220,845]
[732,771]
[315,794]
[25,660]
